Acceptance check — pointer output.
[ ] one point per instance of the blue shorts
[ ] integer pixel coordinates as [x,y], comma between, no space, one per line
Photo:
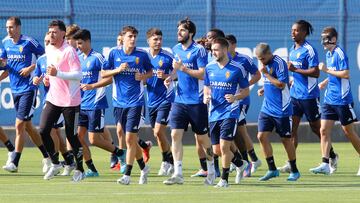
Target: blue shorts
[93,120]
[282,125]
[59,123]
[25,105]
[129,118]
[309,107]
[344,113]
[223,129]
[195,114]
[243,112]
[159,114]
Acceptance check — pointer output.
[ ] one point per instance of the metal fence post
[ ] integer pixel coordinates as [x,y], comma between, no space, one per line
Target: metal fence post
[69,12]
[210,14]
[342,23]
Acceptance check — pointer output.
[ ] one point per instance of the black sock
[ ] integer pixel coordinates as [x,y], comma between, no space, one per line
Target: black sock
[43,151]
[142,144]
[128,170]
[141,163]
[252,155]
[244,155]
[9,146]
[271,163]
[54,158]
[203,164]
[90,164]
[325,160]
[17,158]
[293,167]
[216,163]
[68,158]
[118,152]
[71,155]
[78,154]
[332,153]
[170,158]
[225,174]
[237,159]
[164,156]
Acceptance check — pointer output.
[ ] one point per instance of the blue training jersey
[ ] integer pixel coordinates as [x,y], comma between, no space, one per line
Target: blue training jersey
[250,69]
[277,102]
[128,92]
[189,90]
[91,67]
[19,56]
[304,57]
[222,81]
[157,92]
[40,70]
[338,91]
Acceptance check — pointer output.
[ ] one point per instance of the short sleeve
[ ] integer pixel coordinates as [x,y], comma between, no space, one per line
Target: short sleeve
[109,63]
[312,58]
[202,57]
[206,77]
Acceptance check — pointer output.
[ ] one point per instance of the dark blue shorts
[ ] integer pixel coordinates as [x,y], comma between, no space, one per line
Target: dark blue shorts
[282,125]
[59,123]
[243,112]
[309,107]
[344,113]
[129,118]
[159,114]
[25,105]
[93,120]
[195,114]
[223,129]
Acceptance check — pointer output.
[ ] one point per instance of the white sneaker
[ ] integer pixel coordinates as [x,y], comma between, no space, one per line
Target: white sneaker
[144,174]
[10,167]
[175,179]
[68,169]
[78,176]
[210,179]
[170,170]
[46,162]
[285,169]
[222,183]
[232,167]
[324,168]
[255,166]
[334,163]
[164,168]
[240,172]
[53,171]
[125,180]
[11,156]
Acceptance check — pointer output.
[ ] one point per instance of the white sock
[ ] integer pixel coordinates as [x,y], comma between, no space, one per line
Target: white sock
[210,166]
[178,168]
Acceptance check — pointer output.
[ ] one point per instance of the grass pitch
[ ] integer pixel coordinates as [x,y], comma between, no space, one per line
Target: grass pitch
[28,186]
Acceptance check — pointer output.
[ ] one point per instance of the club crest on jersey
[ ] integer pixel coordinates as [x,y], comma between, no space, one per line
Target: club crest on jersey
[297,55]
[271,71]
[88,64]
[227,74]
[137,60]
[188,55]
[21,49]
[161,63]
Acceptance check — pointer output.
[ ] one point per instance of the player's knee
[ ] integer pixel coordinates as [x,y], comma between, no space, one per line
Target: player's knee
[260,137]
[131,140]
[217,151]
[323,132]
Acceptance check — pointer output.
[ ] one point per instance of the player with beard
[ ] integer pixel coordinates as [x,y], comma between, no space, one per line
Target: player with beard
[188,107]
